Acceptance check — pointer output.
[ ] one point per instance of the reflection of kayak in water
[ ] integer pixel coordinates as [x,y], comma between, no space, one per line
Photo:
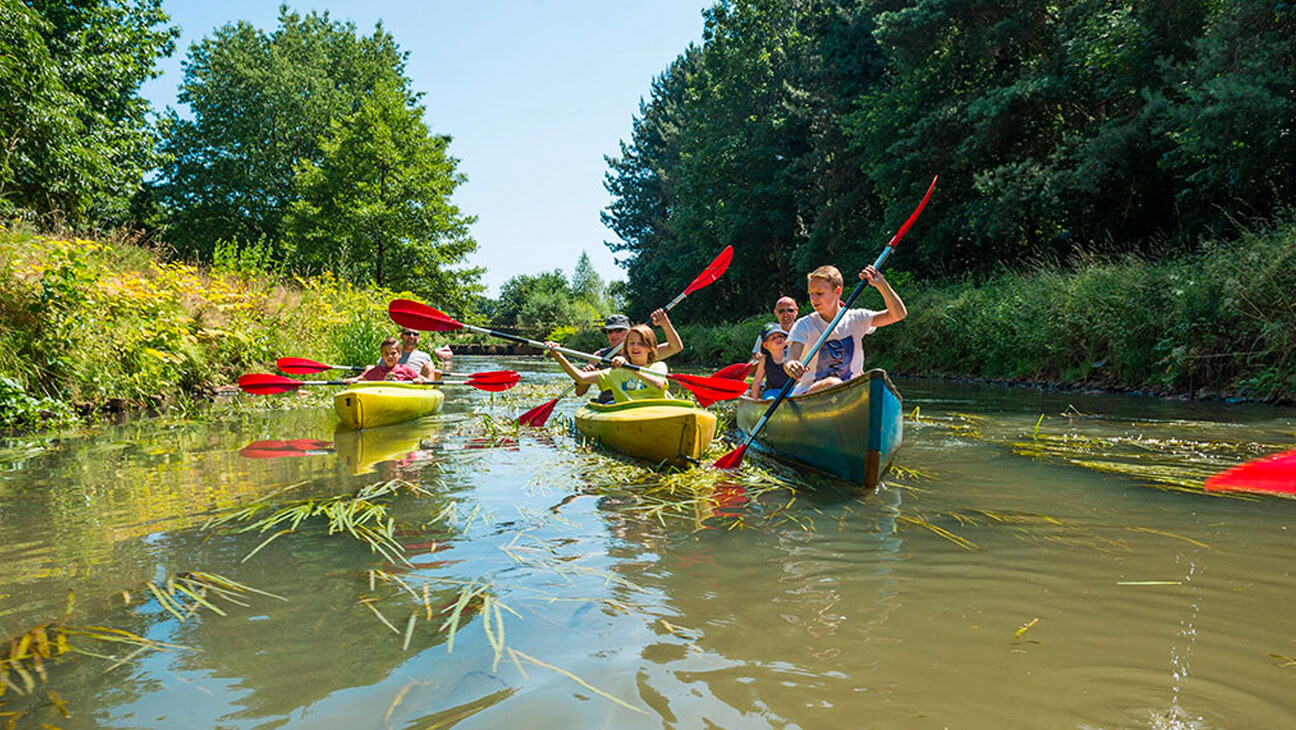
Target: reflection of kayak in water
[276,449]
[366,405]
[361,451]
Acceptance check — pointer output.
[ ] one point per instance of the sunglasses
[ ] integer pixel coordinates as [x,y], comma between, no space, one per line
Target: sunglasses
[786,309]
[409,334]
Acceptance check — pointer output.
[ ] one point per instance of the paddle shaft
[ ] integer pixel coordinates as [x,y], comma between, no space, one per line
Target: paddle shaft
[807,357]
[574,353]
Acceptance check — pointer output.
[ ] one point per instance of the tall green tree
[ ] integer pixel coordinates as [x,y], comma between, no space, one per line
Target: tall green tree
[74,138]
[261,104]
[380,195]
[588,287]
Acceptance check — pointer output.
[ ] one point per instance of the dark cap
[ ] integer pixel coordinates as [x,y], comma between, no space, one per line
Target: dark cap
[616,322]
[770,330]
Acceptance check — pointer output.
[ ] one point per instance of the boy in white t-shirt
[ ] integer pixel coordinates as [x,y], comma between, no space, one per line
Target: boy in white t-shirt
[842,356]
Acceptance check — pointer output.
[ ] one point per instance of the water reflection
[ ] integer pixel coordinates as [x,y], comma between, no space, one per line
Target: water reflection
[904,607]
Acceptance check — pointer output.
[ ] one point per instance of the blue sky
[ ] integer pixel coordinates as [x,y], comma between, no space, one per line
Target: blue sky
[533,93]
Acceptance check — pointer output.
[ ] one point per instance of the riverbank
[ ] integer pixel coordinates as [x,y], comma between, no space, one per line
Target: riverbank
[91,326]
[1219,324]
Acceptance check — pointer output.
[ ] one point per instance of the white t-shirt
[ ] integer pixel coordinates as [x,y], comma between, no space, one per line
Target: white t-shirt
[757,347]
[842,355]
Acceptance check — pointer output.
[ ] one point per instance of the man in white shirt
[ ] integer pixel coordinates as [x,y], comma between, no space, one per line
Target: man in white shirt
[842,356]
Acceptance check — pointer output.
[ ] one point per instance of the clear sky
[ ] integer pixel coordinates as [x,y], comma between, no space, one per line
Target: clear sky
[533,93]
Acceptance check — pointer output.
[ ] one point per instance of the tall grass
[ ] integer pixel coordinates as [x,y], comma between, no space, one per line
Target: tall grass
[91,320]
[1220,322]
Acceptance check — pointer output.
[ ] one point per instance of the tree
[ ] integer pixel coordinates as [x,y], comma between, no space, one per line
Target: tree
[587,286]
[74,139]
[261,105]
[381,192]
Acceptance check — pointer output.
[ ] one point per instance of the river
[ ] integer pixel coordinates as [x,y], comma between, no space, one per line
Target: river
[1036,560]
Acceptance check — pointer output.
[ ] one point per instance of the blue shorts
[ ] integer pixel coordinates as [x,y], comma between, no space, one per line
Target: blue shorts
[770,393]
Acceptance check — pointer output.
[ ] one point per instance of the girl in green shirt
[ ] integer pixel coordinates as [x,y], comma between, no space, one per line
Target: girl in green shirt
[640,349]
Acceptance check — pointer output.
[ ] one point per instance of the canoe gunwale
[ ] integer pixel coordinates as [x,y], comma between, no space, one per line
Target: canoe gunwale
[842,431]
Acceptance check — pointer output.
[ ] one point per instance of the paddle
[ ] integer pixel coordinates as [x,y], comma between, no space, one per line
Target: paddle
[734,458]
[540,414]
[714,270]
[267,384]
[302,366]
[1273,474]
[409,313]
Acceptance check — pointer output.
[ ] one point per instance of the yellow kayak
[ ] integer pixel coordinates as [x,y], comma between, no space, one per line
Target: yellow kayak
[365,405]
[651,429]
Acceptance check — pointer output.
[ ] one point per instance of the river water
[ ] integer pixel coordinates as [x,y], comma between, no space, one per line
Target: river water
[1037,560]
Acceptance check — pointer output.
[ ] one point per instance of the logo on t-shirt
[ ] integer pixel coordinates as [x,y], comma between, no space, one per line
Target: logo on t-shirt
[835,359]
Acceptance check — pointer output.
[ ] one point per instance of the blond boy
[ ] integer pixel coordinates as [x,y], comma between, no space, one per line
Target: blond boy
[842,356]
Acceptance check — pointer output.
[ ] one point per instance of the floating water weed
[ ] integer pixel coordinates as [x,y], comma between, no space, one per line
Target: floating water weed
[919,521]
[357,515]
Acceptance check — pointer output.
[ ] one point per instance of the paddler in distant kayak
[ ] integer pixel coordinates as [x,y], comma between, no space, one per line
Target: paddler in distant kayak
[391,368]
[626,385]
[615,328]
[842,356]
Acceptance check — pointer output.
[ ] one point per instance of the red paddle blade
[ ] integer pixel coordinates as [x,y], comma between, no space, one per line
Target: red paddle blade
[895,240]
[710,389]
[300,366]
[539,415]
[713,271]
[266,384]
[737,371]
[1274,474]
[495,376]
[733,459]
[419,316]
[492,386]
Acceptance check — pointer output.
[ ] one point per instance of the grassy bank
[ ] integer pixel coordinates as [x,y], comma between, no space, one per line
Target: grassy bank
[84,324]
[1218,323]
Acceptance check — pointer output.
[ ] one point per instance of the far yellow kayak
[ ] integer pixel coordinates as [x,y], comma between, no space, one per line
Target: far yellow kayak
[661,430]
[378,403]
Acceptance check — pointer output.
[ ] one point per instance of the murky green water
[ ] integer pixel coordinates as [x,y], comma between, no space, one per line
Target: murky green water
[1011,575]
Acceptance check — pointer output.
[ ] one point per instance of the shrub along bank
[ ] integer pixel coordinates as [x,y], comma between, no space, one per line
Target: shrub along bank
[1218,323]
[88,322]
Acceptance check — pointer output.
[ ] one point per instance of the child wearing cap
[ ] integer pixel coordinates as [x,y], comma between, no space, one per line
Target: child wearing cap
[625,385]
[842,356]
[770,377]
[616,326]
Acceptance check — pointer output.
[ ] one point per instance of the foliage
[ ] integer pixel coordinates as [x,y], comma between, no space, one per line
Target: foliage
[381,194]
[803,132]
[546,304]
[74,138]
[91,320]
[261,103]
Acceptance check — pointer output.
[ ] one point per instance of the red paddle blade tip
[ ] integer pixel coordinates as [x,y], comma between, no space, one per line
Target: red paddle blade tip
[731,460]
[713,271]
[419,316]
[895,240]
[266,384]
[737,371]
[1274,474]
[299,365]
[539,415]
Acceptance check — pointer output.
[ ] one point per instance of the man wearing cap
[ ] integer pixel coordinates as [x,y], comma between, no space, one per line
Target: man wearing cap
[615,327]
[420,361]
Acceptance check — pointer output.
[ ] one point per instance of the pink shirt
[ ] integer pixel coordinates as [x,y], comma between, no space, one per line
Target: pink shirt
[399,372]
